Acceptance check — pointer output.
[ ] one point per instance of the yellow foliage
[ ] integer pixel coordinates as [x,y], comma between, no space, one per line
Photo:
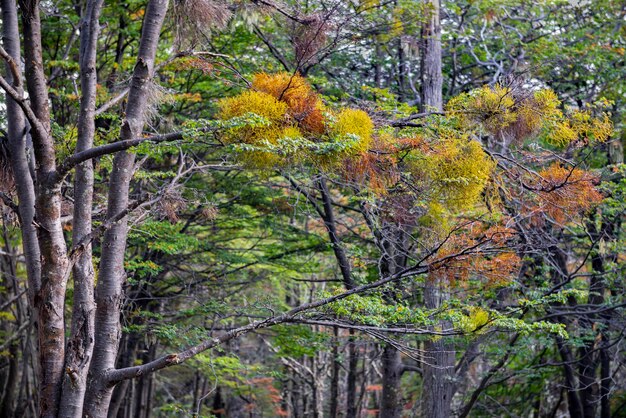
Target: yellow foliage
[457,169]
[476,319]
[304,105]
[356,122]
[492,107]
[514,115]
[256,102]
[590,128]
[562,134]
[293,110]
[259,103]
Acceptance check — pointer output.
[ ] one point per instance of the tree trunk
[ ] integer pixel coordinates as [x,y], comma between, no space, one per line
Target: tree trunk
[328,217]
[16,133]
[432,78]
[334,380]
[353,363]
[438,383]
[111,274]
[439,361]
[391,406]
[50,299]
[81,341]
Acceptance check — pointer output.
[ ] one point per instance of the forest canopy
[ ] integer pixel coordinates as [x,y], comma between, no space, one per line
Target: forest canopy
[259,208]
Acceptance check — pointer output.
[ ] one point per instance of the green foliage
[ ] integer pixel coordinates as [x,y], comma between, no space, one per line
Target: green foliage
[298,340]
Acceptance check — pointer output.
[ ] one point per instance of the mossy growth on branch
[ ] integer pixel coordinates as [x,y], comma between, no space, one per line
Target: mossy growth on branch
[514,114]
[299,128]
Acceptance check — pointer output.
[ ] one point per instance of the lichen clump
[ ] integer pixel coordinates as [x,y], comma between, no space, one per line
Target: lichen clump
[513,114]
[296,127]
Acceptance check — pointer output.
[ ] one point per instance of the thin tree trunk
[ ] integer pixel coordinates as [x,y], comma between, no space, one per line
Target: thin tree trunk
[111,275]
[605,379]
[16,132]
[394,260]
[334,380]
[574,404]
[81,341]
[351,383]
[328,216]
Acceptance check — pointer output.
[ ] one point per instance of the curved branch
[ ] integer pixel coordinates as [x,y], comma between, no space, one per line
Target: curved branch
[116,376]
[73,160]
[35,123]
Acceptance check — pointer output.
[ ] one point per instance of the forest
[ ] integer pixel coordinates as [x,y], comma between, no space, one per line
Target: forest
[312,208]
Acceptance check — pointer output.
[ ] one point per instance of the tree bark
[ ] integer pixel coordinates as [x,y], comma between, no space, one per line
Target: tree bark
[391,406]
[431,75]
[328,216]
[111,274]
[16,132]
[81,341]
[439,361]
[50,300]
[438,383]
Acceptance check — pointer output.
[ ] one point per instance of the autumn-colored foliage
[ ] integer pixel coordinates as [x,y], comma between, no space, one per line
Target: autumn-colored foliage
[295,115]
[376,168]
[564,193]
[476,251]
[513,114]
[454,170]
[304,105]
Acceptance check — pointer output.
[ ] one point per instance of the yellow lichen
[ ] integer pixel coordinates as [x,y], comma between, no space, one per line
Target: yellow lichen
[355,122]
[258,103]
[304,105]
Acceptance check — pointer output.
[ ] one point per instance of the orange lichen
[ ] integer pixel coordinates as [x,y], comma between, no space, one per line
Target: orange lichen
[476,251]
[565,193]
[304,105]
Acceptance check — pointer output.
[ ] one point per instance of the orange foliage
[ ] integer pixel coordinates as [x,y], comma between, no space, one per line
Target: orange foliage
[565,193]
[272,394]
[476,251]
[376,168]
[304,105]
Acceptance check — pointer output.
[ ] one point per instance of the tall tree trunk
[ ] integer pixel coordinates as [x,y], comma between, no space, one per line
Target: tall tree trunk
[394,260]
[438,384]
[439,361]
[50,300]
[353,363]
[111,276]
[81,341]
[327,214]
[17,134]
[334,380]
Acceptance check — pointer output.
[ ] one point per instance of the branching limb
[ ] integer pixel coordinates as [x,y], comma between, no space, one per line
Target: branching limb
[35,123]
[6,199]
[116,376]
[95,152]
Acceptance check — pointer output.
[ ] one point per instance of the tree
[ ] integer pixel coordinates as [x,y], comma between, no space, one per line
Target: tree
[196,206]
